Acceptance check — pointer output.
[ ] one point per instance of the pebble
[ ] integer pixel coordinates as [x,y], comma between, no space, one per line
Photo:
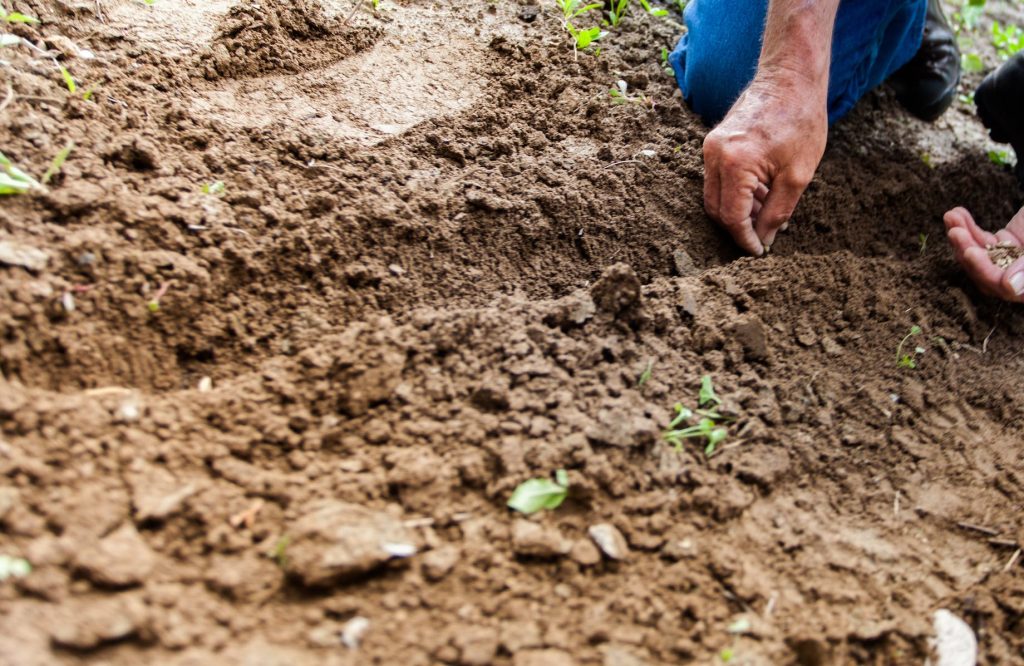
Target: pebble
[439,563]
[336,540]
[353,631]
[120,559]
[609,540]
[25,256]
[954,642]
[478,646]
[533,540]
[84,624]
[585,553]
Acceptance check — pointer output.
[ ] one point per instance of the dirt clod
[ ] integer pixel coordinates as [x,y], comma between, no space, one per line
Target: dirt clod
[533,540]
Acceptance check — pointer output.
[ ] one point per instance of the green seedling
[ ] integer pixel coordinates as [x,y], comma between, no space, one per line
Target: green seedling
[665,66]
[279,553]
[967,99]
[17,17]
[535,494]
[927,159]
[653,11]
[680,5]
[971,62]
[707,393]
[153,305]
[616,12]
[574,8]
[1008,40]
[15,181]
[14,567]
[620,95]
[922,242]
[709,425]
[969,15]
[908,361]
[1000,157]
[726,655]
[214,188]
[57,163]
[584,38]
[645,376]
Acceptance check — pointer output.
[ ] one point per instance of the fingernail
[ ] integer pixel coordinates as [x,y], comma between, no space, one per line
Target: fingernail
[1017,283]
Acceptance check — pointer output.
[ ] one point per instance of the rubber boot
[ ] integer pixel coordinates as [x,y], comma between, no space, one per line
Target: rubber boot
[926,85]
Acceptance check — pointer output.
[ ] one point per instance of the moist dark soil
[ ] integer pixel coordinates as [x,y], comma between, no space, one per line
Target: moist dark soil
[278,421]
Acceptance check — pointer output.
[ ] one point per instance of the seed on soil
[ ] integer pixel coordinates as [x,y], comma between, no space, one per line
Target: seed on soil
[353,631]
[1004,254]
[610,540]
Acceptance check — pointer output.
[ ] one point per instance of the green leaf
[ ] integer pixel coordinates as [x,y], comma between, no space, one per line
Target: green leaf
[645,376]
[18,17]
[69,80]
[9,185]
[58,162]
[14,567]
[217,187]
[971,62]
[915,330]
[536,494]
[707,392]
[562,478]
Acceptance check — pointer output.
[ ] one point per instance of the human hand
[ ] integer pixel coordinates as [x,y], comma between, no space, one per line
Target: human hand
[759,160]
[971,242]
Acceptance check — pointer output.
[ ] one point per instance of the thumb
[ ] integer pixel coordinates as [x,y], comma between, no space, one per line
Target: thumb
[778,206]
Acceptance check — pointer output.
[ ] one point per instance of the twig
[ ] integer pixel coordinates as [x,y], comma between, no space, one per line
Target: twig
[609,166]
[1013,560]
[355,6]
[1003,543]
[987,531]
[984,344]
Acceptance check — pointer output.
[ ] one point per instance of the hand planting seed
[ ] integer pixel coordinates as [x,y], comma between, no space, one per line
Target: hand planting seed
[536,494]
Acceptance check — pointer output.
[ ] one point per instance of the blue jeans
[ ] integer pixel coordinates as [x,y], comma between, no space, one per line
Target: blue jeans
[717,57]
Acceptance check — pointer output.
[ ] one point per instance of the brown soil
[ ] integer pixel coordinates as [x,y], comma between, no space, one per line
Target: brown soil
[440,263]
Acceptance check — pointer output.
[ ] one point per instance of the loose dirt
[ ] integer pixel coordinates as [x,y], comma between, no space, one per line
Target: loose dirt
[441,262]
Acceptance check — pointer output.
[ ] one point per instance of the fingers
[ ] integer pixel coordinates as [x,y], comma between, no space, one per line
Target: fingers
[1013,282]
[960,217]
[779,205]
[737,209]
[712,178]
[982,271]
[961,240]
[1016,226]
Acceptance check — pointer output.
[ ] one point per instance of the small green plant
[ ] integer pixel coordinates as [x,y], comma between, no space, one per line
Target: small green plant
[653,11]
[665,66]
[279,553]
[535,494]
[574,8]
[927,159]
[13,180]
[153,304]
[69,80]
[1000,157]
[908,361]
[709,424]
[616,12]
[16,17]
[679,4]
[922,242]
[967,99]
[14,567]
[57,163]
[971,62]
[969,15]
[620,95]
[645,376]
[215,188]
[584,38]
[1008,39]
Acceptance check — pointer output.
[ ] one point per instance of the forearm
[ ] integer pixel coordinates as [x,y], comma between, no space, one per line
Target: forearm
[797,46]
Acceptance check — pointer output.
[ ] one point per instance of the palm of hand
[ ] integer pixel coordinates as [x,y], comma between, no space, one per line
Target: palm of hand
[970,243]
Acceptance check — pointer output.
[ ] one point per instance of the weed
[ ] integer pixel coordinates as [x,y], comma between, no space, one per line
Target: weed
[709,427]
[16,17]
[645,376]
[215,188]
[14,567]
[653,11]
[279,553]
[1008,40]
[616,12]
[1000,157]
[535,494]
[908,361]
[574,8]
[57,163]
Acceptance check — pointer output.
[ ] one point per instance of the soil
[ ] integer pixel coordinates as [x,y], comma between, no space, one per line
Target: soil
[279,423]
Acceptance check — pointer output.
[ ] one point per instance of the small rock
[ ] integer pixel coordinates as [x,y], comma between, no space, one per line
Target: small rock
[120,559]
[549,657]
[492,395]
[25,256]
[478,646]
[86,623]
[128,411]
[205,385]
[335,540]
[617,291]
[353,631]
[529,13]
[751,335]
[533,540]
[438,563]
[954,642]
[158,495]
[585,553]
[518,635]
[683,263]
[610,540]
[688,301]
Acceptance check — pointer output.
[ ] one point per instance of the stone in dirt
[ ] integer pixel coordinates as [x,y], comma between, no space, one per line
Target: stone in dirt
[585,553]
[157,494]
[334,541]
[954,642]
[84,624]
[26,256]
[533,540]
[119,559]
[610,540]
[683,263]
[477,646]
[438,563]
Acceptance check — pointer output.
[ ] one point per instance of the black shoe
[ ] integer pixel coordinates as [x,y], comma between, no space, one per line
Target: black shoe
[1000,100]
[926,85]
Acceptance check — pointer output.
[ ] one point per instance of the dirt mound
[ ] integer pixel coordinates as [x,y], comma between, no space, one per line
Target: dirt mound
[291,325]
